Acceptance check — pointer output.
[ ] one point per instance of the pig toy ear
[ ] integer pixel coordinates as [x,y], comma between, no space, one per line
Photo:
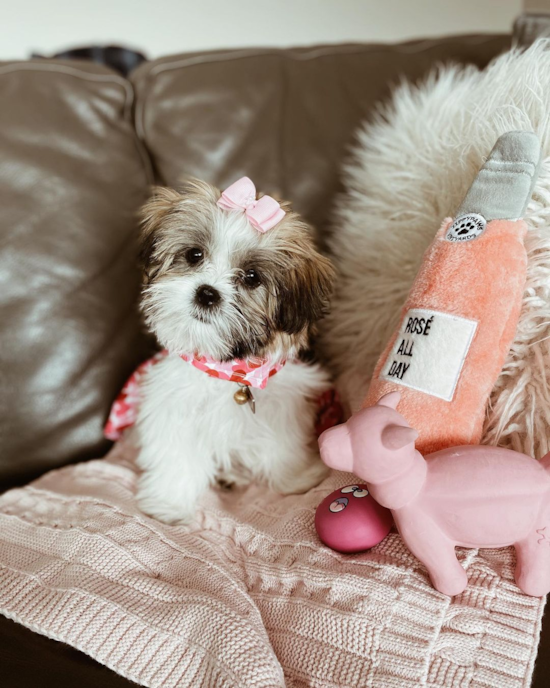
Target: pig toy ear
[335,448]
[398,436]
[390,400]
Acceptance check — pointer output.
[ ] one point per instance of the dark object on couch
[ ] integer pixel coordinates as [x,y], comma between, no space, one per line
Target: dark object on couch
[122,60]
[80,147]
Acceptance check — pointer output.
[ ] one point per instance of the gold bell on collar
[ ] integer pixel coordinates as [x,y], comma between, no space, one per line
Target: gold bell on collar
[242,396]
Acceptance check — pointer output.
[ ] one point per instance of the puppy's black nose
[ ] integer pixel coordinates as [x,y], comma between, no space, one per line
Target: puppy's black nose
[207,296]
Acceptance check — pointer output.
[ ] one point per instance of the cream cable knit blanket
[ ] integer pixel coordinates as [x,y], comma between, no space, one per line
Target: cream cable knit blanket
[247,596]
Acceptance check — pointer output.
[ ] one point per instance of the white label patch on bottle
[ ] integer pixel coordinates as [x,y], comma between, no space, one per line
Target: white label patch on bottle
[429,352]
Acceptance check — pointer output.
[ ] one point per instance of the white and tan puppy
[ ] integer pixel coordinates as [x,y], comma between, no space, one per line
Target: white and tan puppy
[220,288]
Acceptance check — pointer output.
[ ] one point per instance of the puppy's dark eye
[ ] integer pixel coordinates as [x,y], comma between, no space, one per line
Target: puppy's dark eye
[252,278]
[194,255]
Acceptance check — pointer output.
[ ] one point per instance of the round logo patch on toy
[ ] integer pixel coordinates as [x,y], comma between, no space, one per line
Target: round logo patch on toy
[466,228]
[350,520]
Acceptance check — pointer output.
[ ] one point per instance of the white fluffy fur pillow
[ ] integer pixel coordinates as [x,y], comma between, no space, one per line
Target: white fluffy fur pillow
[411,169]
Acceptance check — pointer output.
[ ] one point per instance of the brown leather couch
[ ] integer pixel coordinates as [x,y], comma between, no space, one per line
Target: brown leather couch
[79,148]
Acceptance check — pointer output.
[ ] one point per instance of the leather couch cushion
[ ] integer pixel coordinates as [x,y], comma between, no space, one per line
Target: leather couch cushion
[71,180]
[286,118]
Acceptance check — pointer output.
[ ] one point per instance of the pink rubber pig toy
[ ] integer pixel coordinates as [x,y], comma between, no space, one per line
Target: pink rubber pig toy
[470,496]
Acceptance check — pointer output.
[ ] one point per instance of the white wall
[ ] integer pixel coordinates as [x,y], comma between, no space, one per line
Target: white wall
[161,27]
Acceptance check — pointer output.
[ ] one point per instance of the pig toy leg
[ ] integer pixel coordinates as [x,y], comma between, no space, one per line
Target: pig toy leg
[533,563]
[437,553]
[446,572]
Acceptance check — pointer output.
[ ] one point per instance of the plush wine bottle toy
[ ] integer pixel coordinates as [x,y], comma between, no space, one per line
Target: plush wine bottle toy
[460,317]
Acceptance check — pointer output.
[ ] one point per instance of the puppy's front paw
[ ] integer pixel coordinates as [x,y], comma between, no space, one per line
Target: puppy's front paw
[301,479]
[164,507]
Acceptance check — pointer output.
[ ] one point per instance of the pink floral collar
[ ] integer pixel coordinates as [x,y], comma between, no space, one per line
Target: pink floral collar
[252,372]
[125,407]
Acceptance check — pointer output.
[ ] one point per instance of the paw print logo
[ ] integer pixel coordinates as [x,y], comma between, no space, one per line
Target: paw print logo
[466,228]
[341,503]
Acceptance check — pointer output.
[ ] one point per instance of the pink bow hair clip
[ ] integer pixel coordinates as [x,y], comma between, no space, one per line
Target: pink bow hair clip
[263,214]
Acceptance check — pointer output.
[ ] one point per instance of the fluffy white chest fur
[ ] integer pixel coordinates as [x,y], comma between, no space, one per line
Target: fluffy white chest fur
[192,433]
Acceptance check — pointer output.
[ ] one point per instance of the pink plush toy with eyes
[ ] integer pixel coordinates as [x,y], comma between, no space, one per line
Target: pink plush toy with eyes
[469,496]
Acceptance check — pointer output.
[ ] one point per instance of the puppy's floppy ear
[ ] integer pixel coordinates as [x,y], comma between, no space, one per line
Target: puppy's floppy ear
[152,213]
[304,292]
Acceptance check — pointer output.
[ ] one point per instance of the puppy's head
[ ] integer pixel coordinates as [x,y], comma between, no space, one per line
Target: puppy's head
[215,286]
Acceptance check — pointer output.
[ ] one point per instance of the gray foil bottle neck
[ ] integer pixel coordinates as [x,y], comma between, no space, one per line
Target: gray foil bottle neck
[503,186]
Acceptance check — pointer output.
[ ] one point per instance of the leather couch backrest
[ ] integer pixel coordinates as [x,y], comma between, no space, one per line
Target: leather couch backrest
[73,174]
[71,180]
[285,118]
